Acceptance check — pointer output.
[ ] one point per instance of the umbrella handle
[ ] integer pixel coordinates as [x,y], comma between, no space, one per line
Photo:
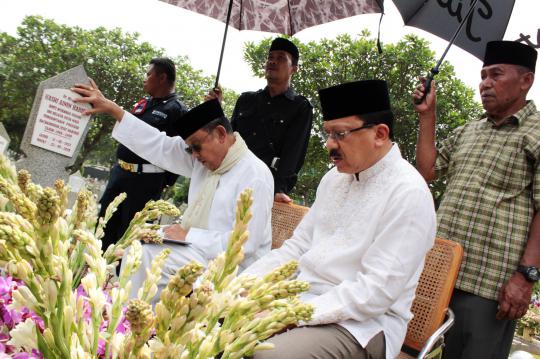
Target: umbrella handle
[435,70]
[427,85]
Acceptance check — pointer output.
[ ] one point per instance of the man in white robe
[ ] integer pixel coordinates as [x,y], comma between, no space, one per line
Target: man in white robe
[220,167]
[362,244]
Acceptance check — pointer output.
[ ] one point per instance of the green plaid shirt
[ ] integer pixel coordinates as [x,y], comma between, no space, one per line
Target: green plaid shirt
[493,190]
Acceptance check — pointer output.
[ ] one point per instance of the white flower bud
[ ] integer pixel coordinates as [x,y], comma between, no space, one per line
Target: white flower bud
[119,252]
[23,296]
[89,282]
[49,338]
[264,346]
[97,298]
[23,270]
[51,294]
[24,335]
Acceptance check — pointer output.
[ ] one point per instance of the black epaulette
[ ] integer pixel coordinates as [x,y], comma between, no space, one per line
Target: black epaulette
[251,93]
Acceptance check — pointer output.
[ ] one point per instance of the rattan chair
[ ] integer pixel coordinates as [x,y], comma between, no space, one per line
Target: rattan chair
[285,218]
[425,333]
[426,330]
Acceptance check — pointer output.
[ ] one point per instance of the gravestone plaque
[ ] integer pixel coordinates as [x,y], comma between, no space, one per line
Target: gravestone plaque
[56,128]
[4,139]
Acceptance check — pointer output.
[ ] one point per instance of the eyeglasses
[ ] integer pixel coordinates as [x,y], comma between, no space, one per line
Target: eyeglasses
[339,136]
[196,147]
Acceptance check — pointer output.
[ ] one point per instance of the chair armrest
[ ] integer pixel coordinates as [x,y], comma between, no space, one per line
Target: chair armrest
[438,334]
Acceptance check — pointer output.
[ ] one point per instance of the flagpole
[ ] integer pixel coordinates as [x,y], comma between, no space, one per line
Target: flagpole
[223,43]
[434,71]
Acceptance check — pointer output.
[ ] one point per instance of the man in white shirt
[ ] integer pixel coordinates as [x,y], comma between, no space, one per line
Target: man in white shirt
[220,167]
[362,244]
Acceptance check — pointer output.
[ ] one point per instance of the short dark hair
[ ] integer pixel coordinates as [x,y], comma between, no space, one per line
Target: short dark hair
[522,69]
[220,121]
[294,60]
[164,65]
[381,117]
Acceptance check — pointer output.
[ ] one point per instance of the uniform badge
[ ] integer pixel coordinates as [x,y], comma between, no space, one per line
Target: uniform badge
[159,114]
[139,107]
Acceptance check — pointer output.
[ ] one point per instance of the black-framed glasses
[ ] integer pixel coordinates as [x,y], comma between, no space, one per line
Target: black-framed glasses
[339,136]
[196,147]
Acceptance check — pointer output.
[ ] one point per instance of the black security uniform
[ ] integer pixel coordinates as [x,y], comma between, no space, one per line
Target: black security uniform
[140,187]
[276,129]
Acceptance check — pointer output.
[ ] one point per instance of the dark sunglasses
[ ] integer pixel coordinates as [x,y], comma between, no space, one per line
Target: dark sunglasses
[196,147]
[193,148]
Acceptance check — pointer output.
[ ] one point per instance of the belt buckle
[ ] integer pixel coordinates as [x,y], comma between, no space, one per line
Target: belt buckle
[126,166]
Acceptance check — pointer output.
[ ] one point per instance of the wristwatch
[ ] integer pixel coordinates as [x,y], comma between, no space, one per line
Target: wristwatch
[531,273]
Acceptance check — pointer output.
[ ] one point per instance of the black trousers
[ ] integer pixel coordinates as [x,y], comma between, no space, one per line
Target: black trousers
[139,188]
[477,333]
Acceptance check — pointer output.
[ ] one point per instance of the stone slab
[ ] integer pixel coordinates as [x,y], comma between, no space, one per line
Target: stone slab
[44,165]
[4,139]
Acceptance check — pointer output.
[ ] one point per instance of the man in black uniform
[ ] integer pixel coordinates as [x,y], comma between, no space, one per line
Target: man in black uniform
[276,122]
[139,179]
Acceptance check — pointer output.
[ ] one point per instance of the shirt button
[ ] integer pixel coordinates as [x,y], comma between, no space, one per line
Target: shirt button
[254,133]
[281,121]
[240,114]
[268,102]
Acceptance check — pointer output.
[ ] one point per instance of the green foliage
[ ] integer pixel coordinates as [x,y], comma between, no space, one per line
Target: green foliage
[178,191]
[331,62]
[117,61]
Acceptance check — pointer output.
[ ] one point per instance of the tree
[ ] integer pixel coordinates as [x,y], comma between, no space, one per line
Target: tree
[117,61]
[331,62]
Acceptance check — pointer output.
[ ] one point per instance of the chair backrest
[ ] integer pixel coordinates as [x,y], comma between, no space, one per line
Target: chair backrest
[434,290]
[285,218]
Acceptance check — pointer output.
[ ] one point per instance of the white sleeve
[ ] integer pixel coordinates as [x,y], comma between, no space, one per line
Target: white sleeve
[407,232]
[293,248]
[213,242]
[210,242]
[154,146]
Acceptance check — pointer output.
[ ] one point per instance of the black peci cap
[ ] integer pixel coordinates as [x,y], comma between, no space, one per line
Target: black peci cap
[510,52]
[283,44]
[198,117]
[367,99]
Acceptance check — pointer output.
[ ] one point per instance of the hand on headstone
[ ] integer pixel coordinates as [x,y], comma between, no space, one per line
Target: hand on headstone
[100,104]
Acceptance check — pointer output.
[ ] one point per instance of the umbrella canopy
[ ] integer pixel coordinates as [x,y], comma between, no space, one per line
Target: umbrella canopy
[279,16]
[487,22]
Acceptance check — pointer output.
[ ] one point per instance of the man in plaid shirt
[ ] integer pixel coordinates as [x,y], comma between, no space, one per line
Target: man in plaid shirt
[491,201]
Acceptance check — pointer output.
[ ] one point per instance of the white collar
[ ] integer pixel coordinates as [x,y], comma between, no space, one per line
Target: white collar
[389,158]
